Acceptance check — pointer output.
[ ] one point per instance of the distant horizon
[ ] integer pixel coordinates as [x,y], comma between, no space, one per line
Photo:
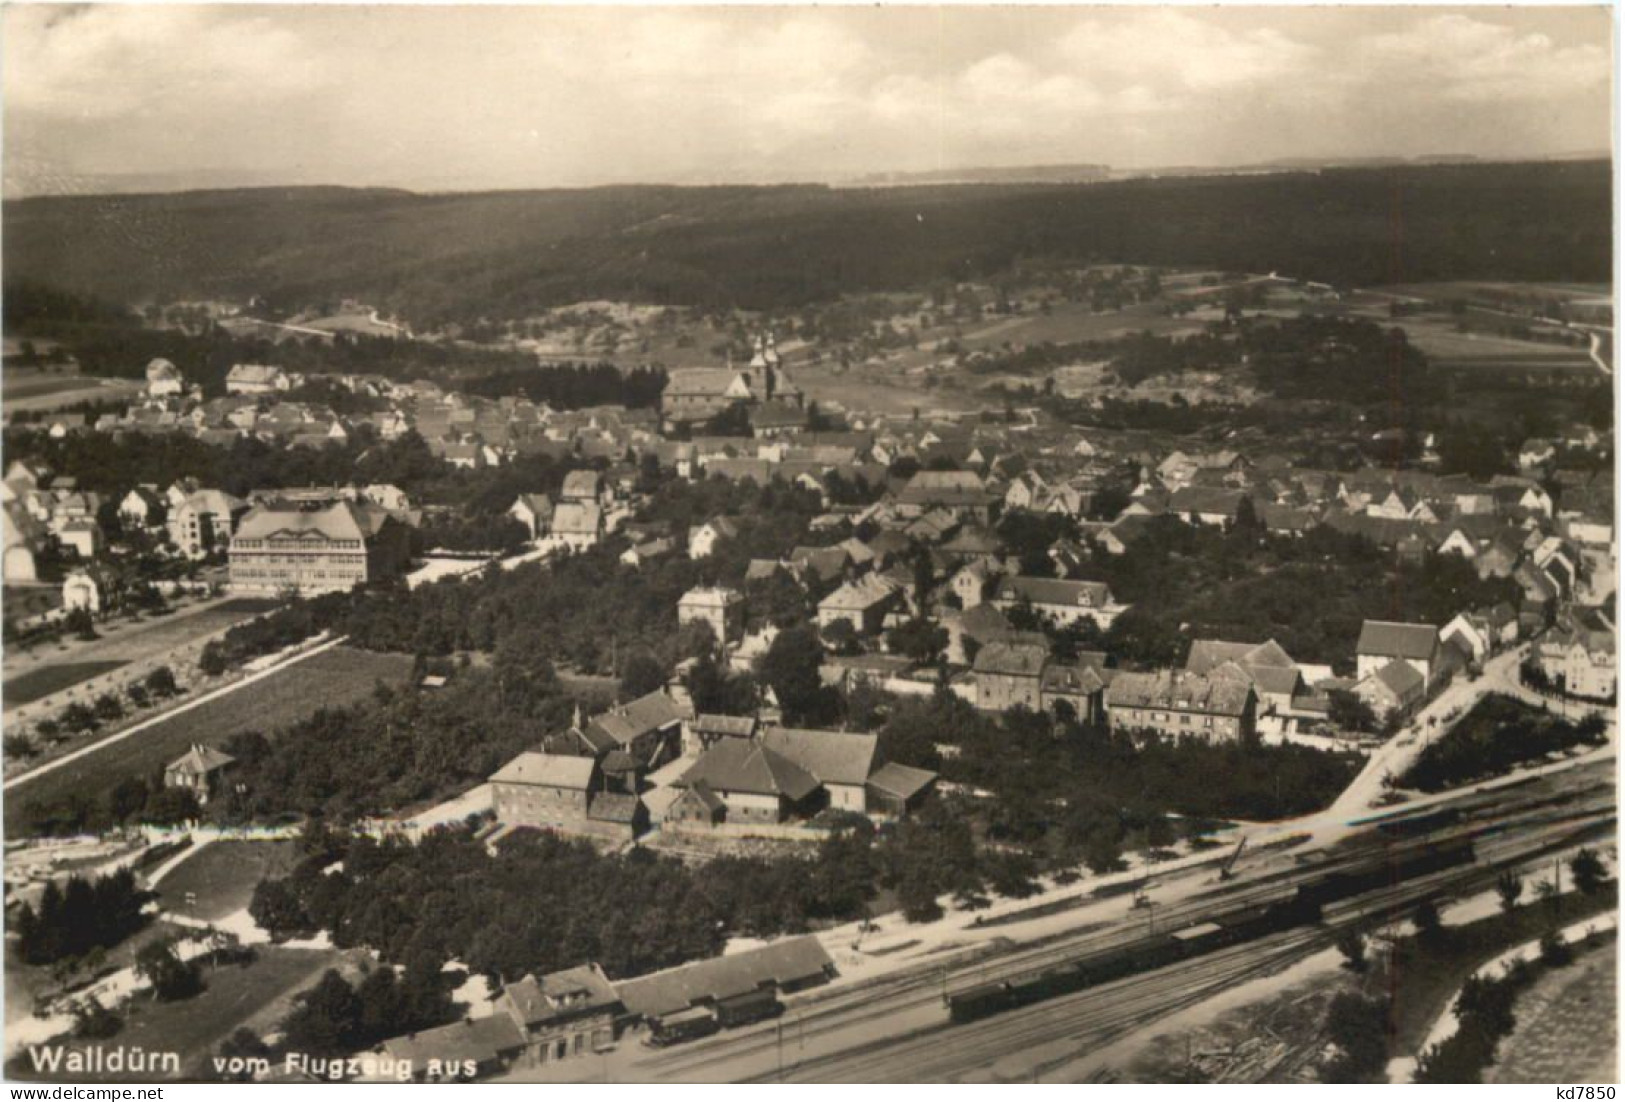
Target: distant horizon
[881,179]
[487,98]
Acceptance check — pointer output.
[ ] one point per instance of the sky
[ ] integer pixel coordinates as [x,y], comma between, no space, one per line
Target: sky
[131,97]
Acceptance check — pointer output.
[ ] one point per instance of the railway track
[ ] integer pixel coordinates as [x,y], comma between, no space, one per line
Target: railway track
[912,1004]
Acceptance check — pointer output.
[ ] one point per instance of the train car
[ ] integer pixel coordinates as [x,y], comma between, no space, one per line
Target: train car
[1413,825]
[1382,872]
[683,1025]
[753,1006]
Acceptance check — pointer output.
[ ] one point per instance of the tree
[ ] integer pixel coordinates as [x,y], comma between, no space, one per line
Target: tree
[277,909]
[137,694]
[1359,1028]
[243,1046]
[1554,951]
[212,662]
[171,978]
[171,806]
[1509,886]
[78,718]
[18,747]
[93,1021]
[1429,927]
[1352,946]
[81,623]
[919,639]
[161,682]
[641,675]
[790,668]
[324,1020]
[1349,712]
[108,707]
[1588,871]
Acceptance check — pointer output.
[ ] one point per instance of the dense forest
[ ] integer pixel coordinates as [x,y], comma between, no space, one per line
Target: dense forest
[434,259]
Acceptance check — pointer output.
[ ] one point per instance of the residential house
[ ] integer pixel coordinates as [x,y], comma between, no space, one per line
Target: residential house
[751,782]
[163,379]
[1392,689]
[1581,657]
[1177,703]
[583,485]
[720,608]
[204,521]
[535,512]
[840,761]
[578,525]
[544,790]
[1383,641]
[142,507]
[199,771]
[257,379]
[863,603]
[1010,675]
[703,538]
[1062,600]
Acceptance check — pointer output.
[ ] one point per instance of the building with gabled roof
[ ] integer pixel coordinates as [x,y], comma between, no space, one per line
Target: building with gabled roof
[198,771]
[756,784]
[1382,641]
[840,761]
[1062,600]
[1176,703]
[562,1015]
[332,549]
[862,603]
[1010,675]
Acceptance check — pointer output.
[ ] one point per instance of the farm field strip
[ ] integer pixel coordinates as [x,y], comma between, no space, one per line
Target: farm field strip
[39,683]
[322,679]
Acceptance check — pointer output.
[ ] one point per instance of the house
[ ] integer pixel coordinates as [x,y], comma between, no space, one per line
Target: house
[142,507]
[81,590]
[1481,634]
[1177,703]
[640,553]
[543,790]
[1394,688]
[1382,641]
[582,486]
[1205,505]
[839,761]
[697,394]
[82,537]
[279,549]
[461,1051]
[707,729]
[163,379]
[535,512]
[752,783]
[862,603]
[971,582]
[257,379]
[702,538]
[1581,658]
[722,609]
[649,729]
[1062,600]
[962,493]
[1275,678]
[204,521]
[895,791]
[578,525]
[24,539]
[1535,455]
[777,968]
[199,771]
[1080,685]
[1010,675]
[562,1015]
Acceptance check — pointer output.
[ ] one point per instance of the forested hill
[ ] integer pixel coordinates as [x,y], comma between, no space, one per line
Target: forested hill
[434,258]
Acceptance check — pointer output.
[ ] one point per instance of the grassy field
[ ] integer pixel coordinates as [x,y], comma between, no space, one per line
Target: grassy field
[222,877]
[260,992]
[39,683]
[1566,1025]
[334,678]
[126,641]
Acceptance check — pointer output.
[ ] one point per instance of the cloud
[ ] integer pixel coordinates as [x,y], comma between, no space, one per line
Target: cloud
[110,61]
[1463,58]
[504,96]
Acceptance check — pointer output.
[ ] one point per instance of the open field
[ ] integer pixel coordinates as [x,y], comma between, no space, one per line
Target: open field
[260,991]
[1566,1027]
[331,679]
[126,641]
[222,877]
[42,682]
[56,391]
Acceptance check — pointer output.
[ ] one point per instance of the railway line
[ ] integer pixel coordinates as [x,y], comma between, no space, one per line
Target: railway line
[826,1036]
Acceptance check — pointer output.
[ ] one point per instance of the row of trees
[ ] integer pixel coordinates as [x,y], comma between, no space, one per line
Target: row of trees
[1500,733]
[78,917]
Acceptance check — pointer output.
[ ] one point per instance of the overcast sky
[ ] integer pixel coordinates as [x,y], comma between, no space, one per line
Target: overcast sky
[490,97]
